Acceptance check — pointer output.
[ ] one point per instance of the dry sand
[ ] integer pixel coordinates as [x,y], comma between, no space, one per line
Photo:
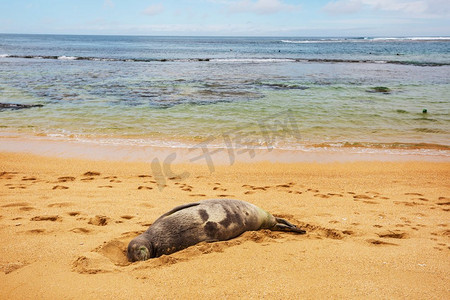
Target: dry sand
[375,230]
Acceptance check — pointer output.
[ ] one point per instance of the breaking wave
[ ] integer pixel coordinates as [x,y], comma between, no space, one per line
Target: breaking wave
[229,60]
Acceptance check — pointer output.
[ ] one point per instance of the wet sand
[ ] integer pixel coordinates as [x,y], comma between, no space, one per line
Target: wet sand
[374,230]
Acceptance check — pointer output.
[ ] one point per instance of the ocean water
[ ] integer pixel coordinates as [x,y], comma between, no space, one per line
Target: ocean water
[277,92]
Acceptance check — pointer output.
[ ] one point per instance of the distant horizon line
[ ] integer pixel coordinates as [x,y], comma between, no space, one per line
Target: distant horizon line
[238,36]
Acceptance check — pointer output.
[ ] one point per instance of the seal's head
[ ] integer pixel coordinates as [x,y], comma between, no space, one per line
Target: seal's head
[139,249]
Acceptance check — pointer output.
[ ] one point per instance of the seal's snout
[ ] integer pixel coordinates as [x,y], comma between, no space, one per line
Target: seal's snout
[137,251]
[143,253]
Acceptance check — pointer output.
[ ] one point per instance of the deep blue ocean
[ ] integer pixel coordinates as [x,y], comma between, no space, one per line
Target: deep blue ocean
[375,93]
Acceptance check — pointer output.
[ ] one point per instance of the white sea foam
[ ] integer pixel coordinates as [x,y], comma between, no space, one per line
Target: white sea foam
[4,55]
[304,42]
[252,60]
[67,57]
[356,40]
[424,38]
[318,41]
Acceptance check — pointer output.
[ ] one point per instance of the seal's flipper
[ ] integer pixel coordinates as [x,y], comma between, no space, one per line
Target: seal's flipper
[283,225]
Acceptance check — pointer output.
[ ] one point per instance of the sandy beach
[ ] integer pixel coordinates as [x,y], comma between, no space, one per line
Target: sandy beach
[375,230]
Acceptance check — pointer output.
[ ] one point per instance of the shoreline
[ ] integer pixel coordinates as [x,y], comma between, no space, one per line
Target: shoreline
[202,152]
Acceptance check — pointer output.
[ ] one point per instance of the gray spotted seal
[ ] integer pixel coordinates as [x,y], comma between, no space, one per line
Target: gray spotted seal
[208,220]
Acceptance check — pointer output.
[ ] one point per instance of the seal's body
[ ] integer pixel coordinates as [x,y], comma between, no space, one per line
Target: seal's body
[209,220]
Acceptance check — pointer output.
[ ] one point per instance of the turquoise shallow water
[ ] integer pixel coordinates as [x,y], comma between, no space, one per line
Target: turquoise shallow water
[290,93]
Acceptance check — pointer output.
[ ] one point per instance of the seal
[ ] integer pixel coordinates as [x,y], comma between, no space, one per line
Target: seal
[209,220]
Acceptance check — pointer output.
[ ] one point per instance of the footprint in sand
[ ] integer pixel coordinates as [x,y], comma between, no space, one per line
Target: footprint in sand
[7,175]
[321,196]
[335,195]
[216,188]
[60,204]
[145,224]
[357,197]
[197,195]
[370,202]
[393,235]
[73,213]
[225,196]
[16,204]
[380,243]
[413,194]
[99,220]
[142,187]
[60,187]
[445,233]
[294,192]
[287,185]
[256,188]
[443,203]
[27,208]
[16,186]
[25,178]
[105,186]
[36,231]
[87,179]
[420,199]
[21,205]
[52,218]
[90,173]
[127,217]
[381,197]
[262,188]
[66,179]
[406,203]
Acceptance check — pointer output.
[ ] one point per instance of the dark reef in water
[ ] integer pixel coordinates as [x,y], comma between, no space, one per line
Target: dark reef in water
[379,89]
[15,106]
[207,59]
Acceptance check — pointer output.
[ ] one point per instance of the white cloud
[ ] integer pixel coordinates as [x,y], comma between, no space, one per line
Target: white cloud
[441,7]
[415,7]
[108,4]
[421,8]
[343,7]
[262,7]
[154,9]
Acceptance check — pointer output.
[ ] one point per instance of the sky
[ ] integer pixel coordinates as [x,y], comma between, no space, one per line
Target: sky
[228,17]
